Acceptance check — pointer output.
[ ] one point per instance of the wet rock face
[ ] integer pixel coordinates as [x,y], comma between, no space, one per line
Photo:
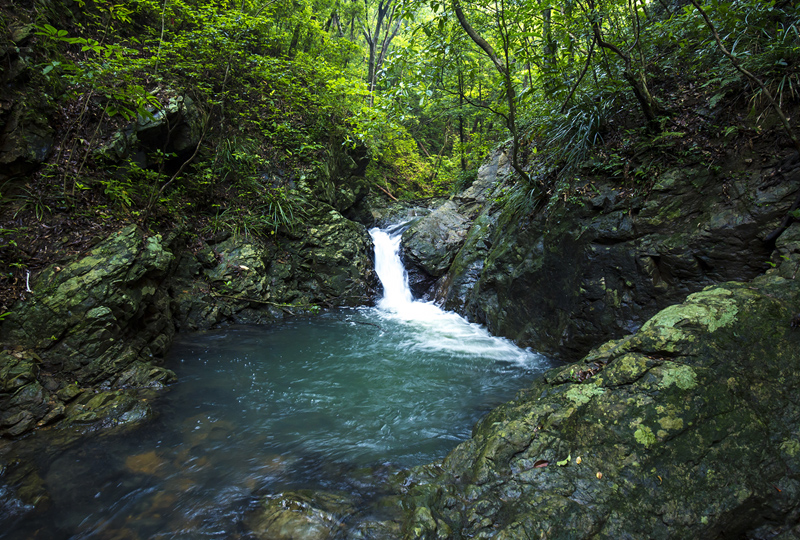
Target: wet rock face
[431,243]
[96,323]
[26,139]
[685,429]
[596,270]
[324,263]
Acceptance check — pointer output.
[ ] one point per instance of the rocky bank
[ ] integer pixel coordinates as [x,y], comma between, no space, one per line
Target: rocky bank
[686,429]
[90,336]
[598,266]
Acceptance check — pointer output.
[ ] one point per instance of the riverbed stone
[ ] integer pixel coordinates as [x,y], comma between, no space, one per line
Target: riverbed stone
[112,408]
[300,515]
[684,429]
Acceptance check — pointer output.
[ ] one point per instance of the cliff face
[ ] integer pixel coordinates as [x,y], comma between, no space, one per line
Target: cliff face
[600,266]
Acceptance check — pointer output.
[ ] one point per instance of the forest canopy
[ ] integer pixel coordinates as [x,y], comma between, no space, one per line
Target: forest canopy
[280,90]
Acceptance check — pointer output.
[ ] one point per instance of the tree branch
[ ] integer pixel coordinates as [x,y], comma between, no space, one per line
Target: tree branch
[580,77]
[479,41]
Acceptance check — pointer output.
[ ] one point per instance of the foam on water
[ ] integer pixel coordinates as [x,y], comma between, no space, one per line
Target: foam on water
[437,330]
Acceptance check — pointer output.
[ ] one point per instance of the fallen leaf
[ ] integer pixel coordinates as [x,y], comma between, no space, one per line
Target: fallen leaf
[599,475]
[578,460]
[539,463]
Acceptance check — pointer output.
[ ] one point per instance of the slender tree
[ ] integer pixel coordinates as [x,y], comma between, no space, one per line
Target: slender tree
[503,64]
[636,78]
[380,24]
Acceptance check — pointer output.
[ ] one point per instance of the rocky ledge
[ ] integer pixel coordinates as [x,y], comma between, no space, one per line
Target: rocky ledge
[597,265]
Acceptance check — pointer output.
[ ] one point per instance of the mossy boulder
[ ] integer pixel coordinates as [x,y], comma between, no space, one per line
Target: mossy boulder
[325,262]
[95,317]
[99,322]
[175,128]
[686,429]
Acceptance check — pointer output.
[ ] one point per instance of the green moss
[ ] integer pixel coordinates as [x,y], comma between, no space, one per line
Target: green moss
[671,422]
[582,393]
[791,447]
[711,310]
[683,377]
[644,436]
[626,369]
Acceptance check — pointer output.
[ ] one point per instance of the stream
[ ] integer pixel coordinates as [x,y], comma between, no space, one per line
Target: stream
[337,402]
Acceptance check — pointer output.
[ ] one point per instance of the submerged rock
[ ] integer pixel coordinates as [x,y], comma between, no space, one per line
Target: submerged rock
[301,515]
[686,429]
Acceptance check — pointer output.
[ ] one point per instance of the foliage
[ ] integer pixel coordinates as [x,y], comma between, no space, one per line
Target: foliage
[267,78]
[428,87]
[260,219]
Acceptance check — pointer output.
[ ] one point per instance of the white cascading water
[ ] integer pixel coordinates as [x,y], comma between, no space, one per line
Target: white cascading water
[396,293]
[438,329]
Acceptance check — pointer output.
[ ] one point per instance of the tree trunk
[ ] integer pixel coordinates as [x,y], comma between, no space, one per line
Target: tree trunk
[650,107]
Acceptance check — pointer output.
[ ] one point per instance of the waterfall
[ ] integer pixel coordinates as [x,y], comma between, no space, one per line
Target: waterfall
[433,328]
[390,270]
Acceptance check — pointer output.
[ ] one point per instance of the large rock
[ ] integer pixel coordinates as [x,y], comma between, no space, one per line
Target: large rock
[686,429]
[26,134]
[596,269]
[96,317]
[99,322]
[324,263]
[433,241]
[26,138]
[176,128]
